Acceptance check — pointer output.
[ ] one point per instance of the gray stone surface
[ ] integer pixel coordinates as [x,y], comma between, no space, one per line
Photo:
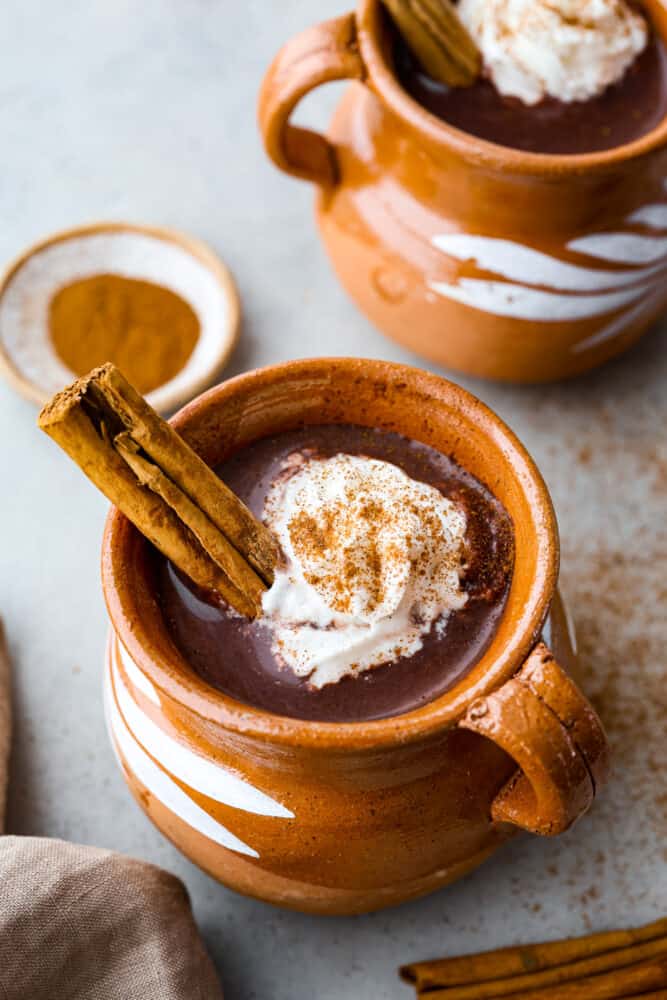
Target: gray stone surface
[146,112]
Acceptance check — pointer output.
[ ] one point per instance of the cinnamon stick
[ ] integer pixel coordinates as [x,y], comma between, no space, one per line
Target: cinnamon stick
[657,995]
[635,979]
[153,476]
[505,963]
[537,983]
[436,36]
[189,472]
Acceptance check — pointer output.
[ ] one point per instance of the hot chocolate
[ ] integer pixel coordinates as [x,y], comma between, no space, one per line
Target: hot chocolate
[556,80]
[397,564]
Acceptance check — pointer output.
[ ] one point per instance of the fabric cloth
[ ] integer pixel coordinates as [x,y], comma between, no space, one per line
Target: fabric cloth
[81,923]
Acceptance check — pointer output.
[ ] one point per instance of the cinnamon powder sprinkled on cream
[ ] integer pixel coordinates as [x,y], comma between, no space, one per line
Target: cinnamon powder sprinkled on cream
[373,562]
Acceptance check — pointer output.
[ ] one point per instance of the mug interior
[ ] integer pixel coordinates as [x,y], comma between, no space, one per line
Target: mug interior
[376,42]
[394,397]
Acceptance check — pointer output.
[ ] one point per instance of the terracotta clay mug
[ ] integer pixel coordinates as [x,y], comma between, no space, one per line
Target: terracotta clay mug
[486,259]
[350,817]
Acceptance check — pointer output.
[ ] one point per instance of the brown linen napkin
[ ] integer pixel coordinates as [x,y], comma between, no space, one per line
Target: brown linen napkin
[80,923]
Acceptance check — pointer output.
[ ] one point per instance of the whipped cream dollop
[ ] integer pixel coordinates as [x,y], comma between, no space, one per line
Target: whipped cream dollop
[568,49]
[373,561]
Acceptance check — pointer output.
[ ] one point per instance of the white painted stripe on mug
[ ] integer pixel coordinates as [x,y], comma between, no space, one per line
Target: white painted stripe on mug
[653,216]
[137,676]
[620,324]
[622,248]
[610,330]
[192,769]
[505,299]
[531,267]
[166,791]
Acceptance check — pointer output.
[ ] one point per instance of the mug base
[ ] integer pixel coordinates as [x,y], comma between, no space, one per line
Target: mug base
[242,873]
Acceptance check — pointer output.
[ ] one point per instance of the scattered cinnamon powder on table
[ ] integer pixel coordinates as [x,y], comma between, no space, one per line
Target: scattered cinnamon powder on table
[146,330]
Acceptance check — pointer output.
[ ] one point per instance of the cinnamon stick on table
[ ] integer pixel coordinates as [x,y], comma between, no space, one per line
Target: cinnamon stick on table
[595,967]
[144,467]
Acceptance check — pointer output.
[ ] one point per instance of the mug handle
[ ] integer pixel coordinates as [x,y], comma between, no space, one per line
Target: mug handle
[544,722]
[317,55]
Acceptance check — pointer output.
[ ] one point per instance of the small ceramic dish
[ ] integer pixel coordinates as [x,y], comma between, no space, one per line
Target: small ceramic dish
[163,256]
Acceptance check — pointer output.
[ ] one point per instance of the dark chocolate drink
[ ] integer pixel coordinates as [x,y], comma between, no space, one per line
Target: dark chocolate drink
[624,112]
[236,655]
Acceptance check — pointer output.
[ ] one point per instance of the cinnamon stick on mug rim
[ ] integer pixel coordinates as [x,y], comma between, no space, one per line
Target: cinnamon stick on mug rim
[144,467]
[436,36]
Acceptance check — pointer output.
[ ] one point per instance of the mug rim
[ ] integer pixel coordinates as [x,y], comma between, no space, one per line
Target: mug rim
[185,688]
[473,148]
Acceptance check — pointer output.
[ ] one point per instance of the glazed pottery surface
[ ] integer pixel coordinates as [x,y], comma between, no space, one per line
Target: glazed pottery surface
[350,817]
[504,264]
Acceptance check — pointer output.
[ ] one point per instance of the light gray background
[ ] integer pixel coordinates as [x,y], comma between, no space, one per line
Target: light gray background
[114,109]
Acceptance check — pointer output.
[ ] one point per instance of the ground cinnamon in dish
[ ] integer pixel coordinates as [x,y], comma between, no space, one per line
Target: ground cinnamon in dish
[148,331]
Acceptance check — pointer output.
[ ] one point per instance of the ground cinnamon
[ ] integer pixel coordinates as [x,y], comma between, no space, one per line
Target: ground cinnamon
[148,331]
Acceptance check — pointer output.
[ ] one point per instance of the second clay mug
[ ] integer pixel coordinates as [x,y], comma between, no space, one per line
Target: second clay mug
[493,261]
[333,817]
